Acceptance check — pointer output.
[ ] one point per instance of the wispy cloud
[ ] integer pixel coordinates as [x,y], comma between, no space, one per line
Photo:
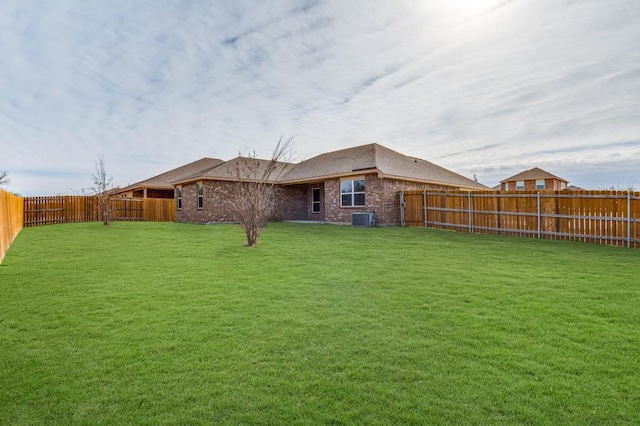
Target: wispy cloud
[156,84]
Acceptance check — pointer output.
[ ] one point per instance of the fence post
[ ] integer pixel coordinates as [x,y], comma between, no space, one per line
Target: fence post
[539,219]
[402,208]
[424,208]
[470,220]
[629,219]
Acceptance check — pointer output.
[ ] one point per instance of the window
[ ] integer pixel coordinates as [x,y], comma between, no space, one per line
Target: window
[520,185]
[540,184]
[506,186]
[352,193]
[315,200]
[200,195]
[179,197]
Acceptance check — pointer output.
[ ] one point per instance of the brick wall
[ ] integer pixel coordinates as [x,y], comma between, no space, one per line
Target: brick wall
[294,202]
[550,184]
[297,202]
[218,203]
[381,198]
[151,193]
[160,193]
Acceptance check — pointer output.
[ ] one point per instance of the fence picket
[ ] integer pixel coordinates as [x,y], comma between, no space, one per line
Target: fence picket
[604,217]
[67,209]
[11,220]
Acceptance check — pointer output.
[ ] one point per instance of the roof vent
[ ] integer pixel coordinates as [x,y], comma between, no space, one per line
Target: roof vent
[363,219]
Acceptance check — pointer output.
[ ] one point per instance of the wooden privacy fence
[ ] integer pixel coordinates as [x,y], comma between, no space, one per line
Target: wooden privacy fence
[68,209]
[158,210]
[604,217]
[11,220]
[59,209]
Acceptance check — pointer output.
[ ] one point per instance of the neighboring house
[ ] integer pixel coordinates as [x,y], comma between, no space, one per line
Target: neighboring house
[534,179]
[161,186]
[326,188]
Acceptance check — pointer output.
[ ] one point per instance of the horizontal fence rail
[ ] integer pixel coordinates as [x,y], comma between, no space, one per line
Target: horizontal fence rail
[158,210]
[126,209]
[18,212]
[11,220]
[59,209]
[604,217]
[68,209]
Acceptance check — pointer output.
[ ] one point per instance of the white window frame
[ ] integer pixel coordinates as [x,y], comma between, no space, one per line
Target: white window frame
[540,185]
[200,194]
[506,186]
[315,205]
[520,185]
[352,193]
[179,198]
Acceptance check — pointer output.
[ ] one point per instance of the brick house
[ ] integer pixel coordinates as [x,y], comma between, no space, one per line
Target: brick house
[534,179]
[326,188]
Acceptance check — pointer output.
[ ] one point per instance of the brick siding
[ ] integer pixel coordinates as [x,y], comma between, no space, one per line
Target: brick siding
[550,184]
[381,198]
[218,203]
[294,201]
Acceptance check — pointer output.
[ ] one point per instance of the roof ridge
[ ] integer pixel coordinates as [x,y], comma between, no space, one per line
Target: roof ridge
[531,174]
[175,169]
[353,160]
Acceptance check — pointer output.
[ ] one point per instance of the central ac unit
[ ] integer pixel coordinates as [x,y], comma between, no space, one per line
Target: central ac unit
[363,219]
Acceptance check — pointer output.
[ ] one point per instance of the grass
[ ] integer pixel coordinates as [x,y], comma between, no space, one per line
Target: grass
[146,323]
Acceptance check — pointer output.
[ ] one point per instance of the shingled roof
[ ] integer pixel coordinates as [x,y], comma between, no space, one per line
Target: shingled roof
[240,168]
[531,174]
[166,179]
[345,162]
[388,163]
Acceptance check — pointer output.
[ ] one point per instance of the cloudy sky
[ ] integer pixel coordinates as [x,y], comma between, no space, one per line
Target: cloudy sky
[482,87]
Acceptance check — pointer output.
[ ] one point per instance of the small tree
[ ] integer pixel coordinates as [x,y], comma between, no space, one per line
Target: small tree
[4,177]
[101,186]
[255,193]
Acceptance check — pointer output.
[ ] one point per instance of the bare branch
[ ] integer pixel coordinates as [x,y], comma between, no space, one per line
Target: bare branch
[256,188]
[101,186]
[4,177]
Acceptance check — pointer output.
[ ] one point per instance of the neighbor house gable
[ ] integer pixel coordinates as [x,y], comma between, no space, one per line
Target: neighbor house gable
[532,180]
[532,174]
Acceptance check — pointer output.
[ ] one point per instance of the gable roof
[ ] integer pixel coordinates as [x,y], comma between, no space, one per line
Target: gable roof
[166,179]
[388,163]
[345,162]
[240,168]
[535,173]
[335,163]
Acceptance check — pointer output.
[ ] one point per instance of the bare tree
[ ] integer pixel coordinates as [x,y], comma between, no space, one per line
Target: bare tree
[256,188]
[630,188]
[101,186]
[4,177]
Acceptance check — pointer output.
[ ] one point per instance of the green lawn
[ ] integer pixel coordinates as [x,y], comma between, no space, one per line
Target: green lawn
[146,323]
